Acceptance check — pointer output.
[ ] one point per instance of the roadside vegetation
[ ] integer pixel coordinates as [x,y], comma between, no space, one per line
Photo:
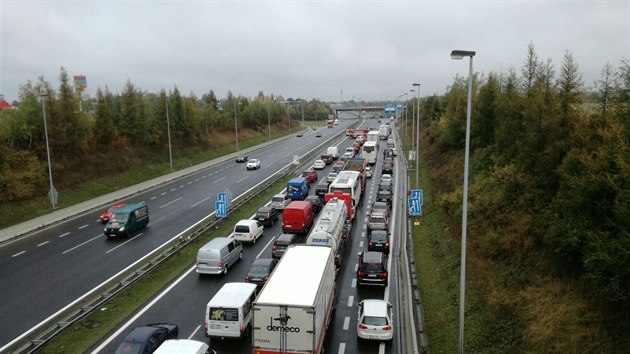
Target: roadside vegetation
[548,265]
[102,144]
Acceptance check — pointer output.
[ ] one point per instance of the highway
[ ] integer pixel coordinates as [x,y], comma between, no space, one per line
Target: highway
[184,301]
[42,273]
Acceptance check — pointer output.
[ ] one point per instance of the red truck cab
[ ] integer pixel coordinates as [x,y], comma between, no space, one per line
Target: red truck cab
[297,217]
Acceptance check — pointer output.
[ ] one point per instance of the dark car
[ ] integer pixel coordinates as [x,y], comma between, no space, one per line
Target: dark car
[322,188]
[310,175]
[317,202]
[388,152]
[384,193]
[381,207]
[241,158]
[378,240]
[388,167]
[328,159]
[339,166]
[146,339]
[267,215]
[260,270]
[281,243]
[372,268]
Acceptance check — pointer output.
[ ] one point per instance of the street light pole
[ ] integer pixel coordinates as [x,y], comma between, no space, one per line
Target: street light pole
[417,135]
[235,124]
[52,192]
[269,119]
[413,118]
[458,55]
[168,129]
[406,117]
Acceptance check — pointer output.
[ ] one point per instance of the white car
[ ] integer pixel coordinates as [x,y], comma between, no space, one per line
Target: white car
[386,178]
[368,172]
[279,201]
[374,320]
[331,177]
[253,164]
[319,165]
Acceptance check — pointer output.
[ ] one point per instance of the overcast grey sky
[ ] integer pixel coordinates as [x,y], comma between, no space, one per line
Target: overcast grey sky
[308,49]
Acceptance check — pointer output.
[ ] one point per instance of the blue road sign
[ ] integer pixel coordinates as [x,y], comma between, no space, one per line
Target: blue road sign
[220,209]
[415,208]
[417,193]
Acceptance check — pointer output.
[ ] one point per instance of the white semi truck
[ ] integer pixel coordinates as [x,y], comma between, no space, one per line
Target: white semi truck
[294,309]
[331,228]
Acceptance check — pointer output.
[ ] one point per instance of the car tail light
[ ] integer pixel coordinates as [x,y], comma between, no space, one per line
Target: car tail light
[387,244]
[220,264]
[387,328]
[370,244]
[362,326]
[242,327]
[205,326]
[266,277]
[384,274]
[273,248]
[359,273]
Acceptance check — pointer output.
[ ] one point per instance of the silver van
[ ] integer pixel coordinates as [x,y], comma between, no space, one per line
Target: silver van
[229,313]
[216,256]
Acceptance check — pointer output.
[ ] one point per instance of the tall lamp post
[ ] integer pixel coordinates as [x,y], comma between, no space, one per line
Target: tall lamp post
[413,117]
[458,55]
[235,125]
[406,118]
[53,192]
[168,129]
[417,132]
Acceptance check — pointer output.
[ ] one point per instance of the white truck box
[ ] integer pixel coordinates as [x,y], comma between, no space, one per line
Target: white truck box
[294,309]
[330,229]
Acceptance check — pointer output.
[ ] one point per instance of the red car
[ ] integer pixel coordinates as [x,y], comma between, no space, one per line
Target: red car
[108,213]
[310,175]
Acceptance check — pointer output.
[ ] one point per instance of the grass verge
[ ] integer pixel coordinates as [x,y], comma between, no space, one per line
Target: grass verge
[87,332]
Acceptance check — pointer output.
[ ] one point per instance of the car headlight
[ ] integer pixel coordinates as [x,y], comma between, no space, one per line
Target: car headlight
[122,229]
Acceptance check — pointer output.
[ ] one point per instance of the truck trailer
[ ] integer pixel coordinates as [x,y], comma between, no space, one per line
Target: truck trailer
[294,309]
[331,229]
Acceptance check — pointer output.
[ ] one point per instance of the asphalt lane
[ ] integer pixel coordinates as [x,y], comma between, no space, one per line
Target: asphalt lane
[43,273]
[184,303]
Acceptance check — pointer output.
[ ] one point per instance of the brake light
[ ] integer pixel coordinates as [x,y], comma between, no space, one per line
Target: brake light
[362,326]
[370,244]
[273,248]
[360,273]
[387,328]
[220,264]
[384,274]
[266,277]
[242,327]
[247,277]
[387,244]
[205,326]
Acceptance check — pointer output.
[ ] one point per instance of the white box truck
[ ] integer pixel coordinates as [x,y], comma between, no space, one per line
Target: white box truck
[294,309]
[331,229]
[372,135]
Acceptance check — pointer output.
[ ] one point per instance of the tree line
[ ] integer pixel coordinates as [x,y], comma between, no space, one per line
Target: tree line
[549,184]
[85,131]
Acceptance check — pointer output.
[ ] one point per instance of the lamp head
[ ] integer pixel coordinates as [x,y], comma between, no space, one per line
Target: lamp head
[460,54]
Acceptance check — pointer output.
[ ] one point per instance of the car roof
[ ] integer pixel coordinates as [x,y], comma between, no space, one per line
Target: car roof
[140,334]
[265,208]
[379,233]
[246,222]
[263,261]
[372,257]
[285,237]
[375,307]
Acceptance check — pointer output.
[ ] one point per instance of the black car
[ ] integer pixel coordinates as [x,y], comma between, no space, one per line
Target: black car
[267,215]
[388,167]
[316,201]
[378,240]
[146,339]
[260,270]
[384,193]
[328,159]
[281,243]
[372,268]
[241,158]
[322,188]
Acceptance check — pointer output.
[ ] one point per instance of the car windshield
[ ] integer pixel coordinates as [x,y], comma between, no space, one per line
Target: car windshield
[262,214]
[258,270]
[241,228]
[377,220]
[129,347]
[252,161]
[372,267]
[378,237]
[277,199]
[118,217]
[368,149]
[375,321]
[385,187]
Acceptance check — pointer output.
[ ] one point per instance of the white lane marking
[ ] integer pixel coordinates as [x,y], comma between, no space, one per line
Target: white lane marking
[350,300]
[153,197]
[124,243]
[189,182]
[362,233]
[199,202]
[43,243]
[196,179]
[81,244]
[83,227]
[346,323]
[163,193]
[141,312]
[381,348]
[361,244]
[18,254]
[217,180]
[267,245]
[366,219]
[342,348]
[194,332]
[174,189]
[354,283]
[242,179]
[204,176]
[66,234]
[181,186]
[356,267]
[171,202]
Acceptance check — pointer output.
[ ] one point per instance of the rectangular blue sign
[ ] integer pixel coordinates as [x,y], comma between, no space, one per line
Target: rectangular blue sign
[414,206]
[221,210]
[417,193]
[222,197]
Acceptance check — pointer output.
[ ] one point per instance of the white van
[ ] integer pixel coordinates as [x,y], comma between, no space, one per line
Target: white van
[229,314]
[216,256]
[333,151]
[182,346]
[248,230]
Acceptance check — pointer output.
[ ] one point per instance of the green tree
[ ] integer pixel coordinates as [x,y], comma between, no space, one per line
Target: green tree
[483,130]
[105,130]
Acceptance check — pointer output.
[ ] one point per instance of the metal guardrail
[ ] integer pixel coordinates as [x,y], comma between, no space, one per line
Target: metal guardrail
[115,287]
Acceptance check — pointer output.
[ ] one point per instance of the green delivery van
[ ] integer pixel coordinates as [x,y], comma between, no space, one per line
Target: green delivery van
[127,219]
